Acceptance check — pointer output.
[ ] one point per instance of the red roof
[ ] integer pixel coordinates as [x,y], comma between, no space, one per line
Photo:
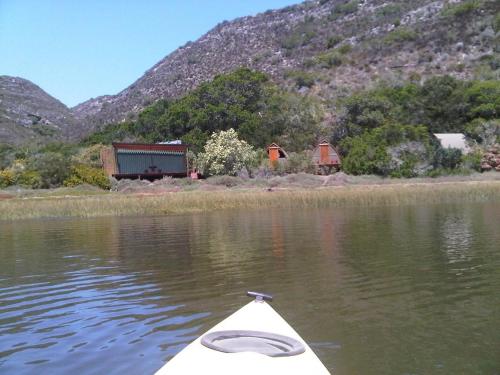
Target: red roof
[149,147]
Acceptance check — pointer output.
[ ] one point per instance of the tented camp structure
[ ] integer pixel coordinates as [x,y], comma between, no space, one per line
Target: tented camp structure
[326,157]
[276,154]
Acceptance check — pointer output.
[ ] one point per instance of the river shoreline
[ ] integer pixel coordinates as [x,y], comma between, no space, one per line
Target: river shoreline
[88,202]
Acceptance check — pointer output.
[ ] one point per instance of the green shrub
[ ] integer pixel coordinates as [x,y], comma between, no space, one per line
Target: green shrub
[461,9]
[6,178]
[496,23]
[83,174]
[299,162]
[344,9]
[368,153]
[484,132]
[472,160]
[329,59]
[447,158]
[7,155]
[53,168]
[388,10]
[301,78]
[407,169]
[362,112]
[332,41]
[90,156]
[301,35]
[345,49]
[400,35]
[483,99]
[62,148]
[29,179]
[244,100]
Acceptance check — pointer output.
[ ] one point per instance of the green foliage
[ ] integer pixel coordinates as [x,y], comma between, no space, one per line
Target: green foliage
[443,104]
[301,78]
[361,112]
[6,178]
[447,158]
[90,156]
[344,9]
[298,162]
[53,168]
[243,100]
[472,160]
[484,132]
[461,10]
[7,155]
[301,35]
[112,133]
[44,130]
[400,35]
[388,10]
[368,153]
[329,59]
[483,99]
[196,139]
[407,168]
[150,119]
[84,174]
[29,179]
[225,154]
[229,101]
[333,40]
[66,149]
[496,23]
[298,116]
[345,49]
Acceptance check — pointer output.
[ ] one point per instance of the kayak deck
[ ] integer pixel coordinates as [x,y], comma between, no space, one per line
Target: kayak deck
[258,316]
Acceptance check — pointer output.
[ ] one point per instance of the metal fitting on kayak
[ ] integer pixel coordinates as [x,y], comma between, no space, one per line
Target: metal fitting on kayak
[260,296]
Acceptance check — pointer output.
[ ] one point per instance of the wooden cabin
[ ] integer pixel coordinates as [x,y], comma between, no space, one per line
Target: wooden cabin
[326,157]
[276,154]
[145,161]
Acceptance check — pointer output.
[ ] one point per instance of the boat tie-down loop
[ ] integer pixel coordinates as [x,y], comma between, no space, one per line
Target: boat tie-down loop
[260,296]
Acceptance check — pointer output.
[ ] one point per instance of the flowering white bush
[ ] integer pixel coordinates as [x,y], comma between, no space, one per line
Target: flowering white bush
[225,154]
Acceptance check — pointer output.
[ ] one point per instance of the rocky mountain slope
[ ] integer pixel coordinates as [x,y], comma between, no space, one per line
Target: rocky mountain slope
[331,46]
[324,48]
[29,114]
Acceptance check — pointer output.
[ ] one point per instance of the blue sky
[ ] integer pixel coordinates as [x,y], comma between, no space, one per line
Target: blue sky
[76,50]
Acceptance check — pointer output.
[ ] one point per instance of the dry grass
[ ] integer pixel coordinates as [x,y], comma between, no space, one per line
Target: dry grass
[196,201]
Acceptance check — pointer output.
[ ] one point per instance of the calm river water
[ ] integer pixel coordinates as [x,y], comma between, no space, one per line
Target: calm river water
[391,290]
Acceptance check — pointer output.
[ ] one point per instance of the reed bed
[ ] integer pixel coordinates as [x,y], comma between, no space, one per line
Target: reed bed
[115,204]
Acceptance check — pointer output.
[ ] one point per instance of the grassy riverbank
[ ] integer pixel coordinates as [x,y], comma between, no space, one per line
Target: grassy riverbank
[119,204]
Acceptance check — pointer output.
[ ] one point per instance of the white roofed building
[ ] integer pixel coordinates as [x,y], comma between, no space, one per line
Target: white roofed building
[453,140]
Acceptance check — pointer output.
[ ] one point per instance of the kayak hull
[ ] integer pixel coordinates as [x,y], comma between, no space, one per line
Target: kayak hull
[258,316]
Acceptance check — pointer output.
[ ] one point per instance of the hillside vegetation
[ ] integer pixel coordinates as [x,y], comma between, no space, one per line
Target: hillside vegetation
[386,130]
[325,48]
[322,50]
[376,78]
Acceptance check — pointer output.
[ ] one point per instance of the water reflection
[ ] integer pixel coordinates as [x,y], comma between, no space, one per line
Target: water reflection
[457,238]
[381,290]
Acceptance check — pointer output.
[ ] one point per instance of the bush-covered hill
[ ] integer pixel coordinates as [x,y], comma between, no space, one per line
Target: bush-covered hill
[385,130]
[320,49]
[28,114]
[245,100]
[326,48]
